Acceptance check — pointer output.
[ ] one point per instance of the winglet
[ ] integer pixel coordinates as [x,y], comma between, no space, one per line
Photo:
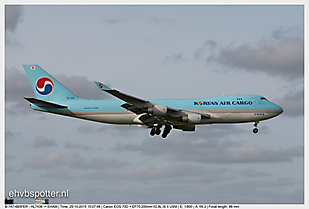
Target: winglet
[102,86]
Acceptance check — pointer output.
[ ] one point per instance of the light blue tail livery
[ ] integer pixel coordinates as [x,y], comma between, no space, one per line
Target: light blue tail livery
[45,86]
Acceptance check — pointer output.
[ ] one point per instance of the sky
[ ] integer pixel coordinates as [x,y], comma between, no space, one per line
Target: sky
[157,52]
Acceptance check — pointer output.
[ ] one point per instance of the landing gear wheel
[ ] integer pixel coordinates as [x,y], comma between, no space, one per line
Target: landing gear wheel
[152,132]
[255,130]
[166,131]
[158,131]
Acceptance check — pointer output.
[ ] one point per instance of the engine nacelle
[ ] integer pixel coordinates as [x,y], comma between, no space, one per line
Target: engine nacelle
[185,127]
[159,110]
[190,118]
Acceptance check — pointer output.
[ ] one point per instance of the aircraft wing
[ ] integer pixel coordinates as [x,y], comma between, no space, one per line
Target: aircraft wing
[125,97]
[153,113]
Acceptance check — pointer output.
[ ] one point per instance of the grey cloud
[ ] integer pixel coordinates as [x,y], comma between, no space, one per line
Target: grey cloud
[251,172]
[211,151]
[17,86]
[164,172]
[209,46]
[86,129]
[82,87]
[173,58]
[162,21]
[285,32]
[115,20]
[12,42]
[260,191]
[72,160]
[41,142]
[58,174]
[123,130]
[43,118]
[284,58]
[292,103]
[10,169]
[119,147]
[13,14]
[270,182]
[8,156]
[74,145]
[51,159]
[9,135]
[218,131]
[281,55]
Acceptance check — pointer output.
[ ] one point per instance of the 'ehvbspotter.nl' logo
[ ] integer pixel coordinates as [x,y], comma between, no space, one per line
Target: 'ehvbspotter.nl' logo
[44,86]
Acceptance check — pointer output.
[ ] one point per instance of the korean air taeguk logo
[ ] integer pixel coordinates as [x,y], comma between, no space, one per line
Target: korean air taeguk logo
[44,86]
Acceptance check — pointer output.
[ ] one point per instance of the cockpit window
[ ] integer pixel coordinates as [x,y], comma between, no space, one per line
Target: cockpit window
[263,98]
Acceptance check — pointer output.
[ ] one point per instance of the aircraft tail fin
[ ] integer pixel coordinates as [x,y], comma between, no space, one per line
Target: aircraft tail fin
[45,86]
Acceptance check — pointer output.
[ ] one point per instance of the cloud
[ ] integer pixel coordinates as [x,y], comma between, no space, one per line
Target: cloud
[9,135]
[211,151]
[173,58]
[284,58]
[162,21]
[292,103]
[164,172]
[285,32]
[82,87]
[281,55]
[115,20]
[74,145]
[209,45]
[72,160]
[58,174]
[251,172]
[269,190]
[123,130]
[8,156]
[17,86]
[41,142]
[13,15]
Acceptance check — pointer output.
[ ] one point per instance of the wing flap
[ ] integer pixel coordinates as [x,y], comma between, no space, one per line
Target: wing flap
[132,108]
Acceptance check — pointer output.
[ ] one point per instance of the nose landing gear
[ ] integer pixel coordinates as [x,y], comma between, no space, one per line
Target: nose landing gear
[255,130]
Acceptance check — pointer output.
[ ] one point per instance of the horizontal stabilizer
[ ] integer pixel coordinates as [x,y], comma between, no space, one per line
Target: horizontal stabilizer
[44,104]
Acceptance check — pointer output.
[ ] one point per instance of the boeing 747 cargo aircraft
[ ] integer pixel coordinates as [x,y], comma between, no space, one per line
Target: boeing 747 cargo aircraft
[182,114]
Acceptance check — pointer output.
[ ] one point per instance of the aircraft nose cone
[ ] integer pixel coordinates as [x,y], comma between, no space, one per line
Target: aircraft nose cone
[279,110]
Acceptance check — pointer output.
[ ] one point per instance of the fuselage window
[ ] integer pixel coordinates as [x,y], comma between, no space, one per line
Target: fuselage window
[263,98]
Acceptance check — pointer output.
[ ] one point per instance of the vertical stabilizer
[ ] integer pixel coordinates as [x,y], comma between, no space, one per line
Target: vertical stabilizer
[45,86]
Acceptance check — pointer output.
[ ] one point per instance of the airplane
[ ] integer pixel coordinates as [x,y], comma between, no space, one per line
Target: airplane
[181,114]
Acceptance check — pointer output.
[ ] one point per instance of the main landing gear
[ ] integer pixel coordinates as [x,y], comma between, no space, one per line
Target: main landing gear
[156,130]
[255,130]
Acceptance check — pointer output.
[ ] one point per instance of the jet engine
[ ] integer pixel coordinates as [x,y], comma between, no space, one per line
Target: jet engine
[159,110]
[190,118]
